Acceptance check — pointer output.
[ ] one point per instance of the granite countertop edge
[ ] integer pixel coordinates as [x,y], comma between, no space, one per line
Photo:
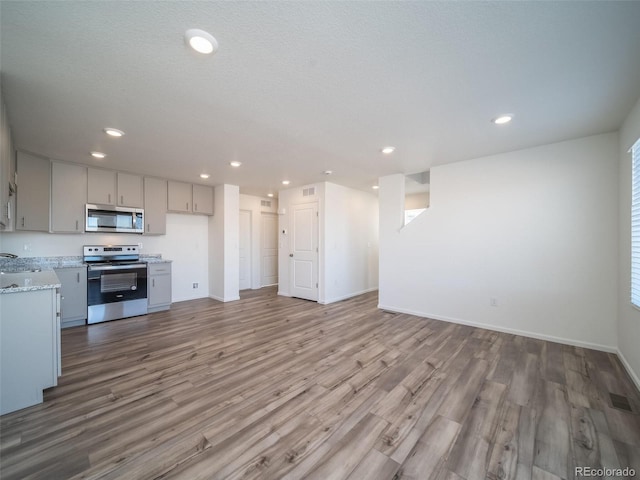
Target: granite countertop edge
[28,281]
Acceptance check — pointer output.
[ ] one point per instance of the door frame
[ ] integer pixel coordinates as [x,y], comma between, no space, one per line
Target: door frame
[316,227]
[249,247]
[273,216]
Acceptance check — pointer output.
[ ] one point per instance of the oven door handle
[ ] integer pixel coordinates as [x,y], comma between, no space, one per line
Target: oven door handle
[98,268]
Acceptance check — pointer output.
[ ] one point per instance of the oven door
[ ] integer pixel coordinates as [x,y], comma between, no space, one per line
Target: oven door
[116,283]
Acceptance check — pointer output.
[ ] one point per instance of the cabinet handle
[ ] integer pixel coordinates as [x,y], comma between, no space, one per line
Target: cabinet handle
[121,199]
[187,205]
[153,282]
[78,277]
[148,228]
[23,221]
[76,225]
[195,207]
[109,198]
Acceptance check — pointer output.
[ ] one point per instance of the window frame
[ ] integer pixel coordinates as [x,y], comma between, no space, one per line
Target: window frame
[635,225]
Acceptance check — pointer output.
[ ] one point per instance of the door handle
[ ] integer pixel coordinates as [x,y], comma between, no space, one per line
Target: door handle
[291,255]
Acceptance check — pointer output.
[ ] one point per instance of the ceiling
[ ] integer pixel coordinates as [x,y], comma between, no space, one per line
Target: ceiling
[297,88]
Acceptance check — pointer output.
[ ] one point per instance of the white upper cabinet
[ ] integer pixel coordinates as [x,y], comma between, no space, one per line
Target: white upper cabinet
[68,197]
[107,187]
[203,199]
[188,198]
[130,190]
[101,187]
[179,198]
[33,188]
[155,206]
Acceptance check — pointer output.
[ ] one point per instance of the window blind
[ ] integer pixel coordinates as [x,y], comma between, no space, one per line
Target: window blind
[635,224]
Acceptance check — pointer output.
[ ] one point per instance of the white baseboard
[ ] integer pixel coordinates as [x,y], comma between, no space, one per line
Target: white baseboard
[350,295]
[630,371]
[512,331]
[222,299]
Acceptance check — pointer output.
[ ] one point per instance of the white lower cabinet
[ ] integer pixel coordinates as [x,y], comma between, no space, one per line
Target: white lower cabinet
[73,302]
[30,347]
[159,286]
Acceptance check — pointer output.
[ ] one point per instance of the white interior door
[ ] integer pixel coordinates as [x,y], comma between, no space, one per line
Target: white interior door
[245,249]
[304,251]
[269,249]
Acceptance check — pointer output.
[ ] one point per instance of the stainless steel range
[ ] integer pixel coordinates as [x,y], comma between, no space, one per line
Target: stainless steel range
[116,282]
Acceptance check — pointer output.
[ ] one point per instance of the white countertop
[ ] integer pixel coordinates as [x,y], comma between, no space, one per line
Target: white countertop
[28,281]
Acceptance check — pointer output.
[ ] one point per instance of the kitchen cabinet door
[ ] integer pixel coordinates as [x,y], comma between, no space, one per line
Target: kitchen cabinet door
[129,190]
[179,197]
[29,347]
[68,197]
[102,186]
[33,192]
[203,199]
[73,303]
[7,170]
[159,286]
[155,206]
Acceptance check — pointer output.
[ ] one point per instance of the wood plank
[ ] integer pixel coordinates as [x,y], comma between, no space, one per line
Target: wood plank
[374,466]
[552,444]
[429,455]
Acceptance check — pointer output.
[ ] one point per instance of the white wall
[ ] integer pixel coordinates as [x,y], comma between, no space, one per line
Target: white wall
[253,204]
[348,247]
[350,243]
[224,244]
[535,229]
[628,316]
[185,244]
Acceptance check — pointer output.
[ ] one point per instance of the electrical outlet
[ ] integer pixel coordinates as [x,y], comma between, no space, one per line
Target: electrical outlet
[140,245]
[493,302]
[195,285]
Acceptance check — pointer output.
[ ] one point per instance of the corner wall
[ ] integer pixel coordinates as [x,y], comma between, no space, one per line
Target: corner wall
[224,234]
[628,316]
[535,230]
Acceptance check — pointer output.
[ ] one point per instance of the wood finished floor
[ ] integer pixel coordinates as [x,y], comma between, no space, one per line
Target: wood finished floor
[279,388]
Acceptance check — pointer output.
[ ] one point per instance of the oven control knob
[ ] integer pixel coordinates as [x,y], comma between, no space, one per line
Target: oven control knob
[133,287]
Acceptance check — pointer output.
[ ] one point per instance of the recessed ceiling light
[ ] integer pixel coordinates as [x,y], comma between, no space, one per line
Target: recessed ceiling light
[286,182]
[204,175]
[328,172]
[388,150]
[270,195]
[114,132]
[375,187]
[201,41]
[502,119]
[98,154]
[235,164]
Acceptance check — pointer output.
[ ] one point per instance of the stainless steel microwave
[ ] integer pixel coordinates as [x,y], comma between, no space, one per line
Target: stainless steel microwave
[107,218]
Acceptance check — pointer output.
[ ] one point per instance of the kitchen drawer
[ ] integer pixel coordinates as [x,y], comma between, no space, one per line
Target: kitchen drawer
[158,268]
